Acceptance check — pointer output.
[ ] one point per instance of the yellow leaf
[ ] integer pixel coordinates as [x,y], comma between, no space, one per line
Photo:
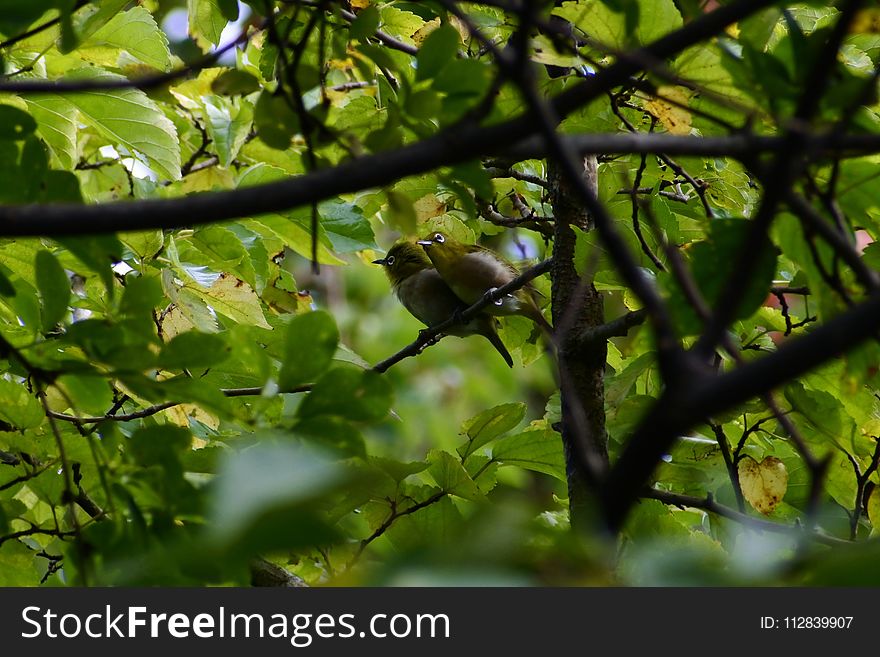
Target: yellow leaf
[235,299]
[665,107]
[866,21]
[359,4]
[763,484]
[428,207]
[183,413]
[422,33]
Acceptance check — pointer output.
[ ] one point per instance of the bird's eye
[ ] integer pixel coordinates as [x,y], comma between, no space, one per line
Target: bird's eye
[439,238]
[389,260]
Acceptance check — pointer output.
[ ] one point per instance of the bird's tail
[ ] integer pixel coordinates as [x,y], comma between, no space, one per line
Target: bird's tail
[493,337]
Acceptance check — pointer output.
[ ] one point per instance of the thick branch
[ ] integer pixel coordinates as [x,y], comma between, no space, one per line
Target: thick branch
[677,411]
[452,146]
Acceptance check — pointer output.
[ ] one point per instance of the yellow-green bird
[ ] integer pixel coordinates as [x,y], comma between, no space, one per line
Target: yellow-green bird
[472,270]
[423,293]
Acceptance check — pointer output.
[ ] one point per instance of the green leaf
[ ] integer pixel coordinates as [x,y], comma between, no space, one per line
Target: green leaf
[711,261]
[54,288]
[309,344]
[91,18]
[235,82]
[265,482]
[346,226]
[451,476]
[6,287]
[463,78]
[822,410]
[127,117]
[293,230]
[194,350]
[15,15]
[366,23]
[275,121]
[160,445]
[641,21]
[398,470]
[228,125]
[234,299]
[220,249]
[334,434]
[91,394]
[488,425]
[18,407]
[349,392]
[145,244]
[15,124]
[97,253]
[136,32]
[438,49]
[534,449]
[207,20]
[56,124]
[17,565]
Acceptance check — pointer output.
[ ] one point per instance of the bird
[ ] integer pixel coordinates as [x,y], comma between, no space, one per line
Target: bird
[472,270]
[422,291]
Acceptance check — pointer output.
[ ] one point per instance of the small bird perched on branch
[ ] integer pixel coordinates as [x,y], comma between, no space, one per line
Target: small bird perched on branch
[472,270]
[428,298]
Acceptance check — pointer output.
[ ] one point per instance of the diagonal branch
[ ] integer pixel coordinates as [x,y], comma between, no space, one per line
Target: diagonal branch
[679,410]
[451,146]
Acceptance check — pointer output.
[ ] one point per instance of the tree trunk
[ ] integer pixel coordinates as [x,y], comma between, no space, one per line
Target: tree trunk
[577,306]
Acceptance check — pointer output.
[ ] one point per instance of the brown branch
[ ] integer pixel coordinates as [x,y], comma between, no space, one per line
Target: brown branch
[448,147]
[615,328]
[384,37]
[41,28]
[158,408]
[786,167]
[741,146]
[143,83]
[510,172]
[266,573]
[34,531]
[709,504]
[677,411]
[542,225]
[394,515]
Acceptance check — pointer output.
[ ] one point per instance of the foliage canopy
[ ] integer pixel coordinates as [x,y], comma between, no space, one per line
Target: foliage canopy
[190,321]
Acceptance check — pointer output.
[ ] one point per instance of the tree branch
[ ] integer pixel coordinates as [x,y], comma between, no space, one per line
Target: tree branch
[158,408]
[615,328]
[709,504]
[679,410]
[451,146]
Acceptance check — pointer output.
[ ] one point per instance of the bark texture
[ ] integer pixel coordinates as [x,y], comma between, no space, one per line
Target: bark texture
[577,307]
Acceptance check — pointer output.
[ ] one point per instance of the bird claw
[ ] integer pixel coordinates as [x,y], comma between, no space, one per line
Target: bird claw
[492,293]
[429,339]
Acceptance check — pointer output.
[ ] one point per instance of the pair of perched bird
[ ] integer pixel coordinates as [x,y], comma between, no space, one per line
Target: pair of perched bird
[439,276]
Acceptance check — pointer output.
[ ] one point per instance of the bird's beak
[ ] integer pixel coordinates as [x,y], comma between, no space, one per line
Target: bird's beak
[381,261]
[425,242]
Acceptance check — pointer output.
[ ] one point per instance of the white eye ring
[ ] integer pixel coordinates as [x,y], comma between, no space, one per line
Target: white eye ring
[389,260]
[439,238]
